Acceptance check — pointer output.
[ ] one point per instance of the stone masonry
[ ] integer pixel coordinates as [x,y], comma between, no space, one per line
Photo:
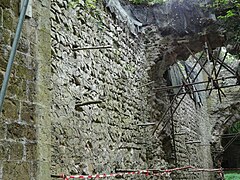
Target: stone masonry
[24,120]
[103,136]
[83,98]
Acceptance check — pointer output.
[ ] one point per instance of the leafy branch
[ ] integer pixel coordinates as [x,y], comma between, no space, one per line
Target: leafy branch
[147,1]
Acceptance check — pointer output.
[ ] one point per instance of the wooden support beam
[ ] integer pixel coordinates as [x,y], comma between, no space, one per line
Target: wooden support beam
[175,109]
[226,66]
[201,90]
[189,84]
[88,103]
[193,142]
[147,84]
[147,124]
[174,97]
[89,48]
[202,66]
[183,41]
[221,64]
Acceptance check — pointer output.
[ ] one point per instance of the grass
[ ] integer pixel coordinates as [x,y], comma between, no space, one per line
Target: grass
[232,176]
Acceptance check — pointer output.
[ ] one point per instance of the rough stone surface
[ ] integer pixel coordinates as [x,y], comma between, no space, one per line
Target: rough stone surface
[223,115]
[100,137]
[20,123]
[88,111]
[173,17]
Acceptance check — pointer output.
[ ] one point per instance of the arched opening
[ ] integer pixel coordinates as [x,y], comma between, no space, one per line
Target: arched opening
[231,145]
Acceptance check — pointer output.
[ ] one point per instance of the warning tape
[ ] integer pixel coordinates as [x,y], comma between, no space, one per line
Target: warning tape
[166,172]
[139,172]
[145,172]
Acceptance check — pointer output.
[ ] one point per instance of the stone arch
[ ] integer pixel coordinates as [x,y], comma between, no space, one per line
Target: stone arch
[225,118]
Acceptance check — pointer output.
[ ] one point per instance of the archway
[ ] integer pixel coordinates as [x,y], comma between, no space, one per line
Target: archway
[231,145]
[226,138]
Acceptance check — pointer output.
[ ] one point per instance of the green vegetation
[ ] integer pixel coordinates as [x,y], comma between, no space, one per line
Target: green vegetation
[235,128]
[228,14]
[89,4]
[147,1]
[232,176]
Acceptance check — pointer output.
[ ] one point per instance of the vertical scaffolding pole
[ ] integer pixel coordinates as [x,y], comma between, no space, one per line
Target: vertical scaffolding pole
[173,138]
[13,53]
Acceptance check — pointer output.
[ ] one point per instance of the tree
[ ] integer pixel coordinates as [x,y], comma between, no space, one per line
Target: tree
[147,1]
[228,14]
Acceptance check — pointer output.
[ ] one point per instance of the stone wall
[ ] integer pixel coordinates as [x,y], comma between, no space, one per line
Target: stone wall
[225,113]
[86,102]
[23,124]
[99,97]
[193,137]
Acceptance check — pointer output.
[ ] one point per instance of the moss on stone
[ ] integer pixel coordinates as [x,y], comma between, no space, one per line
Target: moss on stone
[8,19]
[21,170]
[5,3]
[11,109]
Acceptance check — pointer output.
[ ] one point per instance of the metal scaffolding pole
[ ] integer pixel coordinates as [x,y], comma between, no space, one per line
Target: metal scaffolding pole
[13,53]
[175,96]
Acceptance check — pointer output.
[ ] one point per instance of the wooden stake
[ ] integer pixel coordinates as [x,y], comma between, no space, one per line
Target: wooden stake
[89,48]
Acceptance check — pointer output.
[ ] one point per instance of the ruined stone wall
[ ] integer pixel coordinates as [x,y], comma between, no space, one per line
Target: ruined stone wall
[193,137]
[225,113]
[92,113]
[24,119]
[98,94]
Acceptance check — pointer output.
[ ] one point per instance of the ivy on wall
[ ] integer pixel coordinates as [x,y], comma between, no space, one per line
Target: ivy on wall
[92,7]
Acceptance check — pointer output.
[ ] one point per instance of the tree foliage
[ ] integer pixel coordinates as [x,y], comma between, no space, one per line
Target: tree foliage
[228,14]
[235,128]
[147,1]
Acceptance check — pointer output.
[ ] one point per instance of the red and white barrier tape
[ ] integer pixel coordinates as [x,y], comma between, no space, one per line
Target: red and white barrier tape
[142,172]
[145,172]
[139,172]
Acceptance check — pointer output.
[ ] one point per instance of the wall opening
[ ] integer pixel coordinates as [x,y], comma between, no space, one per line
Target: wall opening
[231,145]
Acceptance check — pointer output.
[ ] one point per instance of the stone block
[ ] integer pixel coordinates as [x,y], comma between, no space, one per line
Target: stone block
[17,89]
[15,151]
[11,151]
[11,109]
[1,77]
[31,95]
[8,20]
[15,7]
[1,18]
[16,131]
[21,59]
[5,3]
[23,45]
[31,151]
[28,112]
[4,54]
[4,49]
[3,153]
[5,37]
[25,73]
[16,170]
[2,131]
